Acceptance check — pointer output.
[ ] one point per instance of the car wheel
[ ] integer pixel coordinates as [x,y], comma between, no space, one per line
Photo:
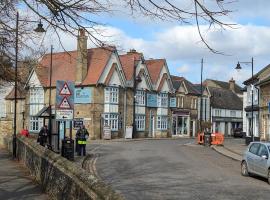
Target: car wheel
[268,177]
[244,170]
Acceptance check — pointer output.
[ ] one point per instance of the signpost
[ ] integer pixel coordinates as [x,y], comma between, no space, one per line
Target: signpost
[64,100]
[65,112]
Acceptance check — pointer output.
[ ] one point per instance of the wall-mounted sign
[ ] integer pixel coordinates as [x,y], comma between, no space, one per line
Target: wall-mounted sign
[151,100]
[83,95]
[77,123]
[173,102]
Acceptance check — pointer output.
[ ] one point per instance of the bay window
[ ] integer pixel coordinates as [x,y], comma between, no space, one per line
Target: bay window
[162,100]
[162,122]
[111,120]
[140,98]
[111,95]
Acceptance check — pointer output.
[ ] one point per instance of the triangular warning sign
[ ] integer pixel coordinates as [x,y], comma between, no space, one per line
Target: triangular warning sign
[65,90]
[64,103]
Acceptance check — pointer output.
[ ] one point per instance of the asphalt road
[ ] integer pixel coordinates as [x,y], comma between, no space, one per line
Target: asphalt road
[173,169]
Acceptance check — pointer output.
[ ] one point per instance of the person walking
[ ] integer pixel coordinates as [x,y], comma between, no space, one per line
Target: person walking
[43,135]
[81,136]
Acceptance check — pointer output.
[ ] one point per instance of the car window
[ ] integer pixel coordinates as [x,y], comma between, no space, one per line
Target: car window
[254,148]
[262,150]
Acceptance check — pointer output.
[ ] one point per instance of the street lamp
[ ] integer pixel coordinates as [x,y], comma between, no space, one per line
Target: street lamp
[238,68]
[39,29]
[136,79]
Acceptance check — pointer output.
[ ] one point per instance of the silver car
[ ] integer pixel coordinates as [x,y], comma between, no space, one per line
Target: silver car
[256,160]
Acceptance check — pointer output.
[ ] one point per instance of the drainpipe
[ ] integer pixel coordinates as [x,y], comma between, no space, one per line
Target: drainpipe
[125,110]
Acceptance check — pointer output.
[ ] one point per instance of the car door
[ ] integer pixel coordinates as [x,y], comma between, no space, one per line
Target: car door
[260,162]
[252,155]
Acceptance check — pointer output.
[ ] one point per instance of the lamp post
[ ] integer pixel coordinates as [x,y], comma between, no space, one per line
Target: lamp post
[136,80]
[50,106]
[201,103]
[39,29]
[238,68]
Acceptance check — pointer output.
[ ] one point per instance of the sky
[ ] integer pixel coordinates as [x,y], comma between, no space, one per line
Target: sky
[180,44]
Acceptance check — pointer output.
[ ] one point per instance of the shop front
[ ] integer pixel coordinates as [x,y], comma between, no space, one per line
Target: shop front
[181,123]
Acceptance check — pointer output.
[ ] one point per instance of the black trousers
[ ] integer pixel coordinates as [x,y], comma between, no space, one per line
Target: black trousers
[81,149]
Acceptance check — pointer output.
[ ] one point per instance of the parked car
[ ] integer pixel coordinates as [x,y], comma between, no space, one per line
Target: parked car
[238,132]
[256,160]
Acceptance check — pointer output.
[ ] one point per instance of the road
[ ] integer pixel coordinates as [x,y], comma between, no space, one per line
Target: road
[173,169]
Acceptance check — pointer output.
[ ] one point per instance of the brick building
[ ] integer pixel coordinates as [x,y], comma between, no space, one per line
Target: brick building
[107,79]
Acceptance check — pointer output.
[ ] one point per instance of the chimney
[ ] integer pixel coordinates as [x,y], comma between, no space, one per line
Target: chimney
[81,67]
[232,85]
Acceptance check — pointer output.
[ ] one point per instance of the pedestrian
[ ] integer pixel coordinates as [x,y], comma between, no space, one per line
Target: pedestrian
[43,135]
[25,132]
[81,137]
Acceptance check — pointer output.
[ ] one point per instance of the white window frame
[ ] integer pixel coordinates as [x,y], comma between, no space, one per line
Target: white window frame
[140,122]
[162,122]
[217,112]
[111,95]
[140,97]
[3,109]
[112,119]
[36,103]
[233,113]
[162,100]
[11,106]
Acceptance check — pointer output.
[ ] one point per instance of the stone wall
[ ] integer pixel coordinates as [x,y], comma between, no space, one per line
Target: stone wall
[59,177]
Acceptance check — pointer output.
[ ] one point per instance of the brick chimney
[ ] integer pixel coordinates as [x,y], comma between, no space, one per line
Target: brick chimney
[82,64]
[232,85]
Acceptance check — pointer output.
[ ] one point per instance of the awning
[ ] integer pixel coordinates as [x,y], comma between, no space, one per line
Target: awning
[45,112]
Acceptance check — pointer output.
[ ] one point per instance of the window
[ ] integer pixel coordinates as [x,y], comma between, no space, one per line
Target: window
[2,109]
[111,120]
[162,122]
[140,122]
[217,112]
[233,113]
[180,102]
[254,148]
[194,103]
[12,106]
[111,95]
[162,100]
[35,124]
[262,150]
[35,105]
[140,98]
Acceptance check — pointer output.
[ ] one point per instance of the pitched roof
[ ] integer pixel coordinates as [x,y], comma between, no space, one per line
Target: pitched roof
[225,99]
[226,85]
[256,76]
[64,66]
[176,80]
[128,61]
[154,67]
[198,87]
[21,93]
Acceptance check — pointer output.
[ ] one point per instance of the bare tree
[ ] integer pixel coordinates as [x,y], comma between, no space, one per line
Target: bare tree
[69,15]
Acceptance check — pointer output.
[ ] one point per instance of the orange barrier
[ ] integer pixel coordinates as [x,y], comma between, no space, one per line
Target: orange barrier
[217,138]
[200,138]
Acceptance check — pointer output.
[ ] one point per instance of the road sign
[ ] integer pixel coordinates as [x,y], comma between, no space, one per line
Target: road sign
[64,95]
[64,104]
[64,100]
[62,115]
[65,91]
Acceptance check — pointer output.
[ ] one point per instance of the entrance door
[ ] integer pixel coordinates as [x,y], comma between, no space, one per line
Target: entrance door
[152,126]
[182,125]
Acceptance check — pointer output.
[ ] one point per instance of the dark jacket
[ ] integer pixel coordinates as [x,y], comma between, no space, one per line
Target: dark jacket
[82,134]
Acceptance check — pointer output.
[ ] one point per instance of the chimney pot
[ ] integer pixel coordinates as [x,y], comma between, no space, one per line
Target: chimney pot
[232,84]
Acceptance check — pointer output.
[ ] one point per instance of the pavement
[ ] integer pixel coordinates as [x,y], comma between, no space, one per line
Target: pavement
[15,181]
[232,148]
